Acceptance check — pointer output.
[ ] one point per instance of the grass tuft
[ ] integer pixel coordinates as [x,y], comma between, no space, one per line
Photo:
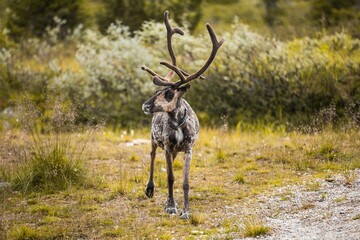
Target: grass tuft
[349,176]
[255,228]
[221,156]
[134,157]
[239,178]
[313,185]
[24,232]
[340,199]
[51,156]
[51,170]
[197,219]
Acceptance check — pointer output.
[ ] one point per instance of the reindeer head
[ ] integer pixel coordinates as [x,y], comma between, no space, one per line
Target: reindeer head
[168,98]
[165,100]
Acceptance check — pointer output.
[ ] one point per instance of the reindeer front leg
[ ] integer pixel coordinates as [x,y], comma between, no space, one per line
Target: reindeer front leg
[171,206]
[187,162]
[150,186]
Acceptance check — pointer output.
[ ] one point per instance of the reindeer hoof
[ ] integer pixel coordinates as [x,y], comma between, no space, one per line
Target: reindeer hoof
[149,191]
[184,215]
[171,209]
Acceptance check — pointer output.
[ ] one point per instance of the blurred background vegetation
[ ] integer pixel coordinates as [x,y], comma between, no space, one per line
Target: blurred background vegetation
[283,61]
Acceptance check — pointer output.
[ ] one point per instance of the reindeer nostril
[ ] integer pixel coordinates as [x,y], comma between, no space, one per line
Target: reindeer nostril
[146,108]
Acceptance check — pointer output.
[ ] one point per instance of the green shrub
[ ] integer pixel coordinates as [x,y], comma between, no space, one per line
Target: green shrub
[253,79]
[52,157]
[30,18]
[254,228]
[25,232]
[50,170]
[239,178]
[134,13]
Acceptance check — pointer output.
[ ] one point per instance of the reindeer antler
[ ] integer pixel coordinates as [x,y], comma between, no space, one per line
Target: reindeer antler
[170,33]
[183,75]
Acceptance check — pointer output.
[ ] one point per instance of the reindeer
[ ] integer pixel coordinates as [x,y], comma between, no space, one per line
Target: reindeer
[175,126]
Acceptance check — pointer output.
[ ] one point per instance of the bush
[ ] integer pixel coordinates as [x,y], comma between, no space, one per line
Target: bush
[49,169]
[51,157]
[258,78]
[30,18]
[134,13]
[253,78]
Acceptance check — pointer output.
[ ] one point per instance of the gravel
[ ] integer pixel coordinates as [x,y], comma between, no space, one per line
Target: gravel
[321,209]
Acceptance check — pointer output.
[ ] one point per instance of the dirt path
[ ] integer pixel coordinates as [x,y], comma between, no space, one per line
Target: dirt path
[317,210]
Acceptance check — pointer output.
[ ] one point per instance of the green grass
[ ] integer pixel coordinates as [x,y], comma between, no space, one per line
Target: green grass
[239,178]
[313,185]
[197,218]
[51,158]
[49,171]
[255,228]
[24,232]
[113,203]
[340,199]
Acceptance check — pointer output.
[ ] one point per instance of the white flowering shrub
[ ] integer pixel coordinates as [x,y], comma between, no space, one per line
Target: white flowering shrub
[109,75]
[256,78]
[252,77]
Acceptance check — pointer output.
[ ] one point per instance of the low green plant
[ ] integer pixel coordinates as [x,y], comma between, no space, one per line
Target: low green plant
[313,185]
[51,170]
[134,157]
[221,156]
[307,205]
[349,176]
[52,157]
[328,152]
[254,227]
[24,232]
[120,188]
[239,178]
[178,164]
[197,218]
[50,220]
[340,199]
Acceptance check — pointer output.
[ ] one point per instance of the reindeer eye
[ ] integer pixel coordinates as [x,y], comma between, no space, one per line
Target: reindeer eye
[169,96]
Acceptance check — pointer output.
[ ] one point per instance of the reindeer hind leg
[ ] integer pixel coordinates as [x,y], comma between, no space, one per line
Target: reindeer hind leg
[187,161]
[171,206]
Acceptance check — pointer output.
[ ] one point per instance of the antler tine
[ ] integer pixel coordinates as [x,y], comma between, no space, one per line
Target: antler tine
[183,75]
[152,73]
[177,70]
[170,32]
[157,79]
[216,45]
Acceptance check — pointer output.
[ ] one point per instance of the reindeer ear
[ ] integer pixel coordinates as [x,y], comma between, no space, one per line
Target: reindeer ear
[184,88]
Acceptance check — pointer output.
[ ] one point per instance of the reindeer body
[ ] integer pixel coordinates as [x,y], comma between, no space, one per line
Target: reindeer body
[175,131]
[175,126]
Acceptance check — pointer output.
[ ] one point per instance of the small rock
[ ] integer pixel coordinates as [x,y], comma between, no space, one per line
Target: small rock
[4,184]
[196,232]
[330,179]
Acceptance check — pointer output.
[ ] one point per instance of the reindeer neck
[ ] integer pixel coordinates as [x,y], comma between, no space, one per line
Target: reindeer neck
[177,118]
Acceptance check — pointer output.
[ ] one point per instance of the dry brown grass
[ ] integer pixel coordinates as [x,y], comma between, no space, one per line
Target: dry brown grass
[113,205]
